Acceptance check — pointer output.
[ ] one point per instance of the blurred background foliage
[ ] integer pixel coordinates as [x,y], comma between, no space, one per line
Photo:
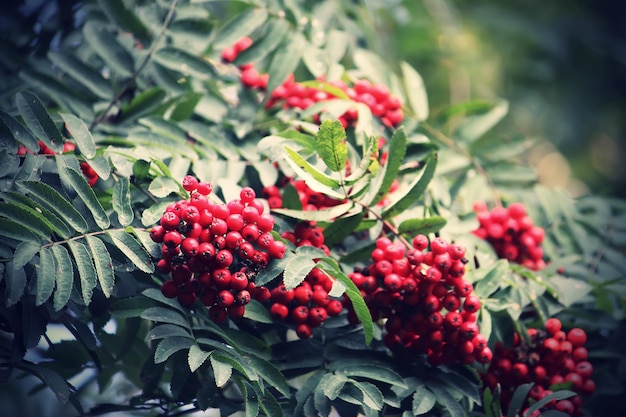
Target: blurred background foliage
[561,65]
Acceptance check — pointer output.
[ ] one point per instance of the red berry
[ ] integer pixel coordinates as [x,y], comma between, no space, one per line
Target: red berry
[204,188]
[169,289]
[190,183]
[553,325]
[277,249]
[304,331]
[577,337]
[279,311]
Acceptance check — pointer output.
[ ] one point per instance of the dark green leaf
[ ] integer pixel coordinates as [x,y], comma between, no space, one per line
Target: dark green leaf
[341,228]
[9,164]
[124,18]
[81,135]
[321,402]
[121,201]
[39,121]
[241,25]
[84,74]
[15,279]
[332,145]
[45,276]
[51,199]
[256,312]
[307,388]
[157,295]
[181,61]
[423,400]
[110,50]
[15,230]
[163,331]
[52,379]
[518,399]
[19,132]
[446,399]
[555,396]
[415,189]
[492,280]
[269,405]
[422,226]
[104,264]
[132,249]
[87,195]
[24,252]
[164,315]
[167,347]
[372,397]
[238,364]
[143,104]
[332,384]
[185,106]
[375,373]
[64,276]
[285,60]
[27,217]
[270,373]
[85,267]
[415,91]
[222,371]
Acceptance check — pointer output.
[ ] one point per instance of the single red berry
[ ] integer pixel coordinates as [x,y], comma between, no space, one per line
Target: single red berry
[217,313]
[236,311]
[169,289]
[317,315]
[303,294]
[420,242]
[189,246]
[577,337]
[334,307]
[225,298]
[553,325]
[277,249]
[238,281]
[169,220]
[190,183]
[221,278]
[304,331]
[186,298]
[156,233]
[299,314]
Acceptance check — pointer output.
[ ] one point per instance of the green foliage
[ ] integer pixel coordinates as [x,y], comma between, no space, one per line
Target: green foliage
[140,91]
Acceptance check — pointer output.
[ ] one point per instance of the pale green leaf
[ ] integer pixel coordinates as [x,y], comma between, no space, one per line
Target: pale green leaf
[423,400]
[45,276]
[167,347]
[415,91]
[241,25]
[415,190]
[24,252]
[64,277]
[85,267]
[285,60]
[296,270]
[103,42]
[87,195]
[163,331]
[38,120]
[303,167]
[182,61]
[474,126]
[103,263]
[81,134]
[132,249]
[196,357]
[83,73]
[121,201]
[163,186]
[222,371]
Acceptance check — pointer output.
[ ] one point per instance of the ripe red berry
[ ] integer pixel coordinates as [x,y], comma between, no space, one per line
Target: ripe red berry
[190,183]
[169,289]
[304,331]
[277,249]
[577,337]
[553,325]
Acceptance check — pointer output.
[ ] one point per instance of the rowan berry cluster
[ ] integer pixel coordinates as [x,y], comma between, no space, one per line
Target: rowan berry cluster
[428,305]
[294,95]
[88,171]
[212,251]
[512,234]
[553,359]
[309,304]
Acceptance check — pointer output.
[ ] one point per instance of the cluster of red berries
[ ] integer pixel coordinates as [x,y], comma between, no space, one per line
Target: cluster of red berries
[512,234]
[212,251]
[90,174]
[428,305]
[294,95]
[309,304]
[552,359]
[309,199]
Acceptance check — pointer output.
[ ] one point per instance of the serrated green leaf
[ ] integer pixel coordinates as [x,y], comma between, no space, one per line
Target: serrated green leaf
[446,399]
[54,201]
[332,384]
[415,189]
[322,215]
[164,315]
[121,201]
[103,263]
[81,135]
[163,331]
[9,164]
[64,277]
[38,120]
[307,388]
[285,60]
[101,165]
[375,373]
[303,167]
[19,132]
[296,270]
[237,363]
[423,400]
[143,104]
[341,228]
[256,312]
[277,29]
[45,276]
[270,373]
[321,403]
[167,347]
[422,226]
[473,127]
[372,397]
[85,267]
[181,61]
[27,217]
[132,250]
[163,186]
[415,91]
[84,74]
[332,145]
[87,195]
[15,230]
[153,213]
[124,18]
[222,371]
[103,43]
[196,357]
[239,26]
[492,280]
[24,253]
[555,396]
[15,281]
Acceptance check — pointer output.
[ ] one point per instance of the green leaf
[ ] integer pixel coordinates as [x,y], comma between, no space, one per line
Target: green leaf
[310,384]
[152,214]
[373,372]
[270,373]
[301,166]
[87,195]
[15,230]
[19,132]
[85,267]
[332,384]
[132,249]
[101,165]
[167,347]
[517,400]
[391,168]
[415,189]
[52,379]
[341,228]
[415,91]
[285,60]
[163,331]
[164,315]
[81,135]
[422,226]
[103,263]
[196,357]
[446,399]
[256,312]
[64,277]
[143,104]
[487,285]
[52,200]
[322,215]
[423,400]
[38,120]
[121,201]
[124,18]
[241,25]
[181,61]
[238,364]
[473,127]
[84,74]
[24,252]
[45,276]
[555,396]
[372,397]
[332,145]
[27,217]
[296,270]
[15,281]
[222,371]
[110,50]
[321,402]
[354,294]
[163,186]
[268,43]
[269,405]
